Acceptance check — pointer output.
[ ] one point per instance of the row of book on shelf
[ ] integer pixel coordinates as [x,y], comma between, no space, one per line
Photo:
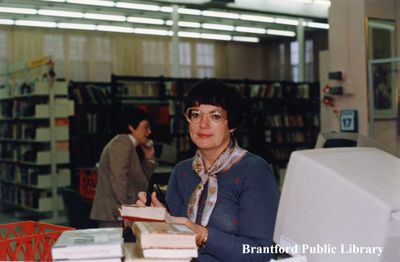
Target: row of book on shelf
[172,88]
[156,240]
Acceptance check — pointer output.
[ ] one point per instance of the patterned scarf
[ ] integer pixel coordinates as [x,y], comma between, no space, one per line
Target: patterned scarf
[230,156]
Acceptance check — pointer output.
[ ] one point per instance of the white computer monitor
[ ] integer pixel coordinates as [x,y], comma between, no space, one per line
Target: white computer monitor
[341,204]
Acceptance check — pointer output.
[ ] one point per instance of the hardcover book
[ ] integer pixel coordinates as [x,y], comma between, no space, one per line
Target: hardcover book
[89,243]
[180,253]
[138,213]
[132,253]
[164,235]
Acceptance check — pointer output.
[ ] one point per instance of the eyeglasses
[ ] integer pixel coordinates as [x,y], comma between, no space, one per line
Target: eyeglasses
[215,117]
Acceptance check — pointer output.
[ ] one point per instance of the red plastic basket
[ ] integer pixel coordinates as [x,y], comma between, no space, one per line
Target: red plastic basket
[28,240]
[87,183]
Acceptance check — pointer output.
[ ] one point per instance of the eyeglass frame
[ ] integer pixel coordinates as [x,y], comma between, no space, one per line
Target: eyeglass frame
[223,114]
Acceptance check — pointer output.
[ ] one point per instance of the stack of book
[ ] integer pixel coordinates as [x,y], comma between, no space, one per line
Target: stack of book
[89,244]
[161,240]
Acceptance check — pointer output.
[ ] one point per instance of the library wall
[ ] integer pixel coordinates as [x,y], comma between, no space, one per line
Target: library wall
[348,53]
[126,54]
[245,61]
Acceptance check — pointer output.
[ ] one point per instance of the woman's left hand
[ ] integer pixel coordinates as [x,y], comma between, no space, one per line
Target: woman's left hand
[200,231]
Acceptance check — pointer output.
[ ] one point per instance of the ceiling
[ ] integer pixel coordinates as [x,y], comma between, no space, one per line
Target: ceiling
[228,20]
[306,8]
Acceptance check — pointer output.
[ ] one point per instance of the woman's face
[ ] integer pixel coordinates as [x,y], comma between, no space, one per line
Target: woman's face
[142,132]
[208,127]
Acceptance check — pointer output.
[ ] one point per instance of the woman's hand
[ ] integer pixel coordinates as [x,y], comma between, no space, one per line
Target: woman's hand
[148,150]
[200,231]
[143,199]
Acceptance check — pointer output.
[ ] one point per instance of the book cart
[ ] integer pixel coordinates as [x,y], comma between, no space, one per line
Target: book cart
[28,240]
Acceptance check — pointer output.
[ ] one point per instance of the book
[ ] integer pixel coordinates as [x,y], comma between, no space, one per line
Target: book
[164,235]
[132,253]
[138,213]
[166,252]
[89,243]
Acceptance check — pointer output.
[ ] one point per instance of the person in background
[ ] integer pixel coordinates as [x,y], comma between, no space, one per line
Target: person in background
[225,194]
[125,167]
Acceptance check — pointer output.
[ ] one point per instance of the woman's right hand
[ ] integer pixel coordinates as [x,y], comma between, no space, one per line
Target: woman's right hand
[143,199]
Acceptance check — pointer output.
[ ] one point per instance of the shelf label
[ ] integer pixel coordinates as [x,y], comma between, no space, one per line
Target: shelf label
[348,120]
[39,62]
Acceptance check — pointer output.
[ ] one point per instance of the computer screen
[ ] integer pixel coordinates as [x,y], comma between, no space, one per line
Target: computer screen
[341,204]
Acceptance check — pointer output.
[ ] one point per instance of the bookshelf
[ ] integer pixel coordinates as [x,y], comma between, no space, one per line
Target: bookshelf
[91,127]
[34,142]
[280,116]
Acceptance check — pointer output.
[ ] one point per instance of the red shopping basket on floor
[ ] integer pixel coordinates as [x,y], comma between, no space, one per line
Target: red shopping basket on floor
[87,183]
[28,240]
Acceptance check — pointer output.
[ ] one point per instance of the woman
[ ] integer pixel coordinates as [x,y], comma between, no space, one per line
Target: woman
[126,164]
[240,202]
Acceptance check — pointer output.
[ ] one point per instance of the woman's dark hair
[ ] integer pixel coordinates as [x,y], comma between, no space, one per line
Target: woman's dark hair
[130,116]
[215,92]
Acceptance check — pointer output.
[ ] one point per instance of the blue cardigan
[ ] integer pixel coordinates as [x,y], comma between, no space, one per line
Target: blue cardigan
[245,211]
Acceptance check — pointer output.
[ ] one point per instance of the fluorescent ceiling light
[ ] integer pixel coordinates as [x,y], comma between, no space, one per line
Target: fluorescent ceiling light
[76,26]
[147,31]
[189,34]
[92,2]
[280,32]
[286,21]
[137,6]
[317,25]
[303,1]
[189,24]
[119,18]
[58,1]
[246,39]
[6,22]
[166,9]
[218,27]
[119,29]
[50,12]
[257,18]
[220,14]
[15,10]
[145,20]
[215,36]
[35,23]
[187,11]
[255,30]
[323,2]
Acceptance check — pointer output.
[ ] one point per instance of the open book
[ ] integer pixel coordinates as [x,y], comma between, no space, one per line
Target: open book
[137,213]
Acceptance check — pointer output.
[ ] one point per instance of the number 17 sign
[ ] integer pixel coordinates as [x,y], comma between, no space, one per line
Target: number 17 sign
[348,120]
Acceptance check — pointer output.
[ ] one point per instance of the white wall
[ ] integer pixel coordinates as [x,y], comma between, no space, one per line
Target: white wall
[348,53]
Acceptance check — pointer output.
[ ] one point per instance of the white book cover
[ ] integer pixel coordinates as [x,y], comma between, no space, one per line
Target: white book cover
[89,243]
